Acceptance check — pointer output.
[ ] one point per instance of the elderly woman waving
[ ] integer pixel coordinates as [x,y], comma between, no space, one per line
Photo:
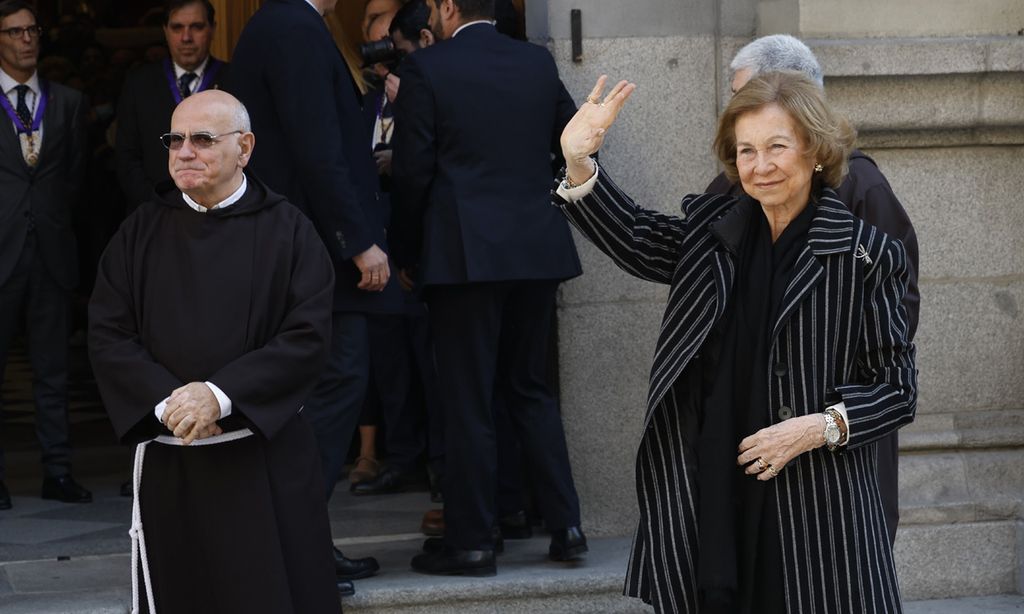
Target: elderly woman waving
[783,357]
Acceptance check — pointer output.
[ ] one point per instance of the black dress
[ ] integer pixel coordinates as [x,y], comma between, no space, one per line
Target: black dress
[740,559]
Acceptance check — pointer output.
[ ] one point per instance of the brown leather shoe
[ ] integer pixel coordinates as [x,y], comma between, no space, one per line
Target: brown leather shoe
[365,470]
[433,523]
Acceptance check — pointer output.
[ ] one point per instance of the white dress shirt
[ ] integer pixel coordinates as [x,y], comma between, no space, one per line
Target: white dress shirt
[32,99]
[198,72]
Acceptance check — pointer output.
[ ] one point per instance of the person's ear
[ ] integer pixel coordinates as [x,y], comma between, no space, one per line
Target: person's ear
[246,142]
[426,37]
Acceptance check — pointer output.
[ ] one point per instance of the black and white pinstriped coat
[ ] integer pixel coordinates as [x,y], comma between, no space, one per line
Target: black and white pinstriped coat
[840,335]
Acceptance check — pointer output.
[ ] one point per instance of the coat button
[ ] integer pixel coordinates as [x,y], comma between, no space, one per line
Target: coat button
[781,369]
[785,413]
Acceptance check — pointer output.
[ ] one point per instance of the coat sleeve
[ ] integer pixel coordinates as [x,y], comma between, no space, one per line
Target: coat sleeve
[304,99]
[885,395]
[130,380]
[268,385]
[645,244]
[130,172]
[869,196]
[413,165]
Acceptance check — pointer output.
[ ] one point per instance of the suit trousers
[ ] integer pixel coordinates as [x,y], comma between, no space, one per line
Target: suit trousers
[32,293]
[336,402]
[392,396]
[491,339]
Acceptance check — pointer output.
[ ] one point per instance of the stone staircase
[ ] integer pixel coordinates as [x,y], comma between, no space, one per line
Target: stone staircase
[962,505]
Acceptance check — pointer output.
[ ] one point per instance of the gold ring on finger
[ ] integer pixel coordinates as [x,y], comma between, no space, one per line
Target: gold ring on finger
[592,99]
[773,471]
[761,465]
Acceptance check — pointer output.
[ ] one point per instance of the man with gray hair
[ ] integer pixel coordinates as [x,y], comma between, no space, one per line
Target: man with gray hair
[208,327]
[865,191]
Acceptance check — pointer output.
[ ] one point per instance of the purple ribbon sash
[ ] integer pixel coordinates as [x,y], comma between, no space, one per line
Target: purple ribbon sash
[40,110]
[212,67]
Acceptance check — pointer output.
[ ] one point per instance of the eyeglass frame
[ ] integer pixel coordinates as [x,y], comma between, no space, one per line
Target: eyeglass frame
[206,135]
[34,32]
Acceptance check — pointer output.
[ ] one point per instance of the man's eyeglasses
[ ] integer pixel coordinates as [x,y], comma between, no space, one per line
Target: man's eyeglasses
[200,140]
[16,33]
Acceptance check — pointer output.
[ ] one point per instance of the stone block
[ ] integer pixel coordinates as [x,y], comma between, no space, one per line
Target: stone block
[933,479]
[970,346]
[605,356]
[955,560]
[989,482]
[965,206]
[907,102]
[660,146]
[900,56]
[637,18]
[908,18]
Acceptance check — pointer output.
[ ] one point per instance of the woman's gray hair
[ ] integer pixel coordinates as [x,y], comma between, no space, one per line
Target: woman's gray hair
[778,52]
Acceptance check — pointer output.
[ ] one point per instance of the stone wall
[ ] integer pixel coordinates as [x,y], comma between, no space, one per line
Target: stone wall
[944,119]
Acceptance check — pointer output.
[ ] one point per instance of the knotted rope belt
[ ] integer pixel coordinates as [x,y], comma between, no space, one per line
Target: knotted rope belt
[137,534]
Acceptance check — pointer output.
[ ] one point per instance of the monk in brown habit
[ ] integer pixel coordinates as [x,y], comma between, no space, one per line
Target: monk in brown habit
[208,328]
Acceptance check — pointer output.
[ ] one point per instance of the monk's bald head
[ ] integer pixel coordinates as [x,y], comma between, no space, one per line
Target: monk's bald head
[211,141]
[220,104]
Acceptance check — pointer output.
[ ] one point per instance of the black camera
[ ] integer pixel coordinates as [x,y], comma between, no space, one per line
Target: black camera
[380,52]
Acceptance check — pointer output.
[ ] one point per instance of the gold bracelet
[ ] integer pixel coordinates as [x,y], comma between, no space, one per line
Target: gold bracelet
[569,185]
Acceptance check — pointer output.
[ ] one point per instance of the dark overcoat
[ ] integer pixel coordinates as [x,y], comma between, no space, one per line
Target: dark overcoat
[841,334]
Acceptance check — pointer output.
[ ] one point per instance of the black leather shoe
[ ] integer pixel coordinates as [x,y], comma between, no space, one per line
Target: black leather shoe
[65,489]
[567,544]
[346,588]
[436,544]
[354,569]
[515,526]
[5,497]
[387,482]
[452,562]
[126,489]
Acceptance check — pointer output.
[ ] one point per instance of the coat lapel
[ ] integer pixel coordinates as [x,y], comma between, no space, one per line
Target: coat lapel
[10,144]
[53,127]
[831,232]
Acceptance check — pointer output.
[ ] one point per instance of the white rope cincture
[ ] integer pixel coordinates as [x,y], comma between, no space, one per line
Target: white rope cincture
[136,532]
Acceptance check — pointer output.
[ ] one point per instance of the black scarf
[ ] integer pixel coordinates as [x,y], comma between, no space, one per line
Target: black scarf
[739,562]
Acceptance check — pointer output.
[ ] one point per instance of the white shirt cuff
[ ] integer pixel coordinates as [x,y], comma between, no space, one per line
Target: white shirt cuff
[574,194]
[225,402]
[841,408]
[222,400]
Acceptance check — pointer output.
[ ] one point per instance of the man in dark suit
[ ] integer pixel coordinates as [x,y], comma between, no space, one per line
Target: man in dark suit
[151,92]
[316,151]
[475,222]
[42,141]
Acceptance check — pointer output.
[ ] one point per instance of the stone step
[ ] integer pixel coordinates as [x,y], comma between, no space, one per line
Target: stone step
[526,582]
[961,511]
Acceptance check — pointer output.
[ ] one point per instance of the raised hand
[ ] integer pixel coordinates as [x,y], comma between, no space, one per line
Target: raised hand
[585,132]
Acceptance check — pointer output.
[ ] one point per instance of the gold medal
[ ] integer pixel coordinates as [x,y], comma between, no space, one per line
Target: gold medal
[32,158]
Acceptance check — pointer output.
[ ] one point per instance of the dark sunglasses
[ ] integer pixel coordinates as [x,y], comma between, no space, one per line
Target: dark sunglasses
[200,140]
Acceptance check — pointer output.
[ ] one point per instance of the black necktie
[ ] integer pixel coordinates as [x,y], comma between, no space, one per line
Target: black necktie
[23,113]
[185,84]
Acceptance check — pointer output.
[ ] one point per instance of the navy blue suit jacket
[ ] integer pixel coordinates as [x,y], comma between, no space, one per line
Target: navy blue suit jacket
[477,120]
[312,142]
